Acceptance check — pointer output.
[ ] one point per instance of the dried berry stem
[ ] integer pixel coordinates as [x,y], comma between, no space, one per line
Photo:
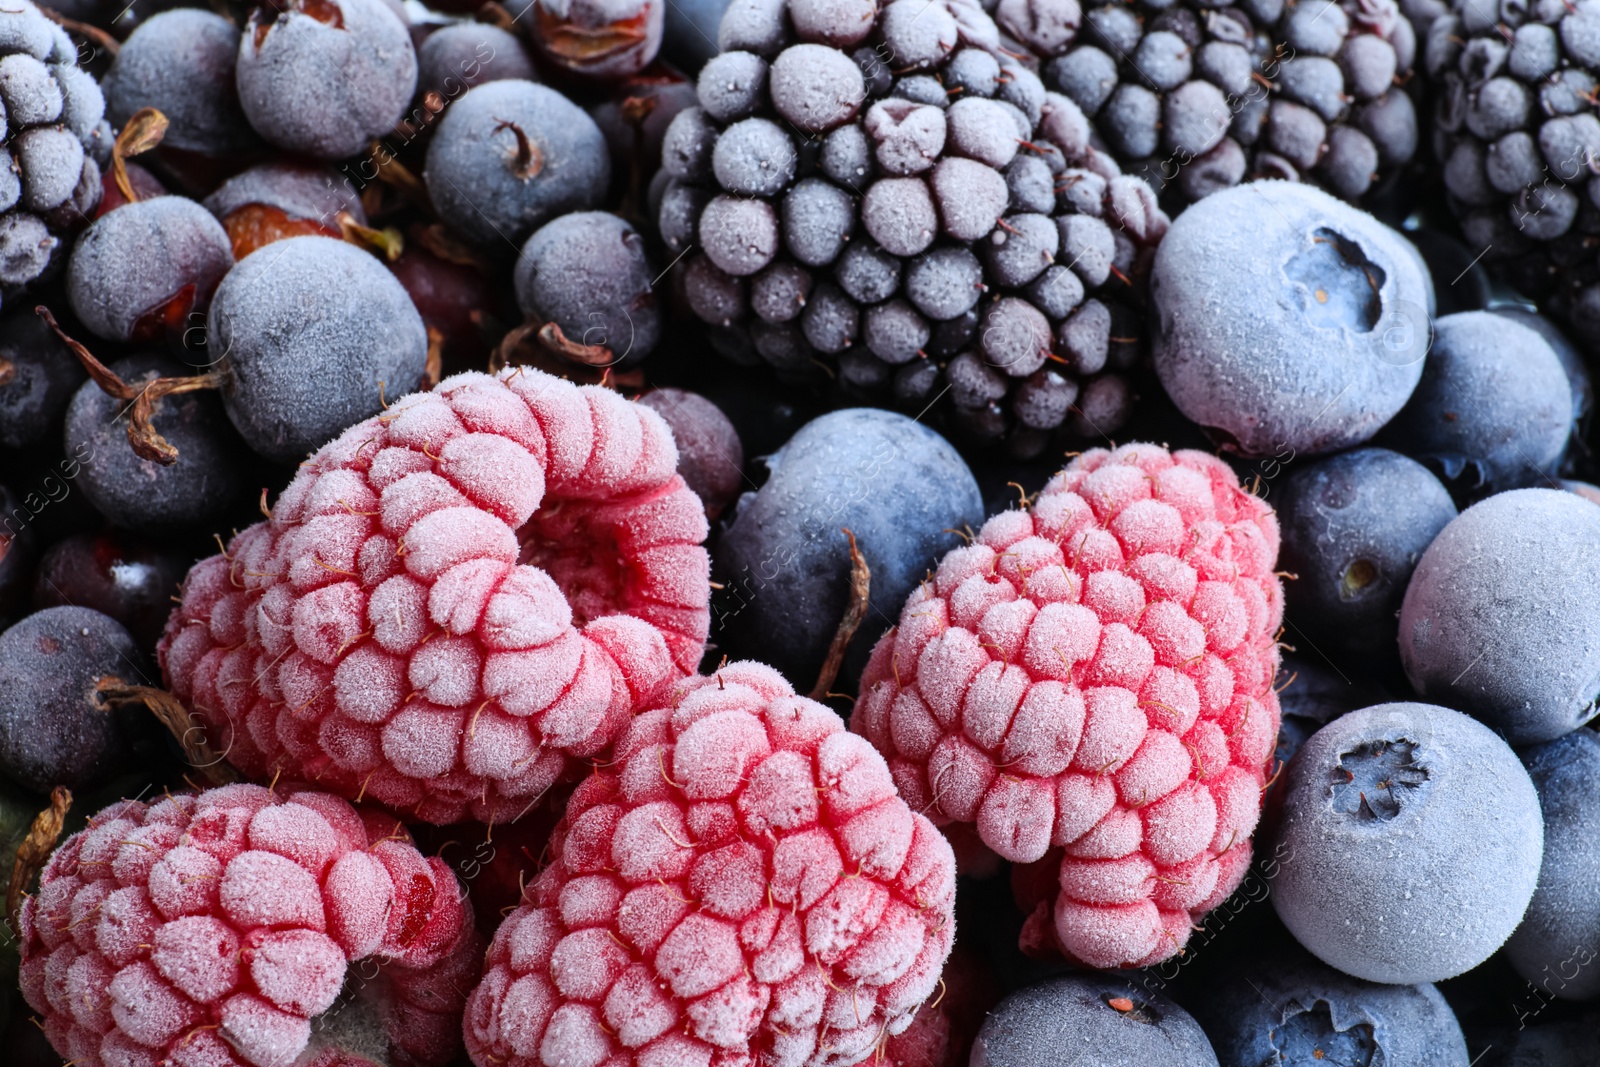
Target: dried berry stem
[147,443]
[530,161]
[551,337]
[35,850]
[190,734]
[143,132]
[860,589]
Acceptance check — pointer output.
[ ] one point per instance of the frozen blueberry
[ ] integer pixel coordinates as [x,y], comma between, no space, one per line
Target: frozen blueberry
[313,332]
[130,580]
[324,77]
[897,485]
[181,62]
[141,494]
[1100,1019]
[1287,319]
[509,156]
[710,455]
[453,59]
[1285,1007]
[1409,843]
[600,39]
[140,272]
[586,273]
[53,730]
[282,199]
[1573,362]
[1354,526]
[1502,616]
[1560,934]
[1493,410]
[38,376]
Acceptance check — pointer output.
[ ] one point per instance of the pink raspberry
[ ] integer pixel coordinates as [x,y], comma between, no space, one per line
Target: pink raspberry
[247,927]
[741,884]
[1089,683]
[454,602]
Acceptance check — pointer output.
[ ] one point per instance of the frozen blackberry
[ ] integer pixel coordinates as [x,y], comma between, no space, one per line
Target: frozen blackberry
[888,194]
[51,113]
[1515,131]
[1197,96]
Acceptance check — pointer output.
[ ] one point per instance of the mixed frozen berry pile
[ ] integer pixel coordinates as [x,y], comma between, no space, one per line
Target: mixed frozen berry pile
[799,533]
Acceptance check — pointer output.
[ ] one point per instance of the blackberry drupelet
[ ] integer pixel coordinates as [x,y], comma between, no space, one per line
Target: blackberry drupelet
[891,195]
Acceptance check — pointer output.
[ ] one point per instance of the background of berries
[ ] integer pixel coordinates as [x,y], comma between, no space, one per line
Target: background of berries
[479,340]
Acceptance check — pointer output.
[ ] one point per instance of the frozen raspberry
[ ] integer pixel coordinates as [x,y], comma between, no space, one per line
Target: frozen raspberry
[1090,683]
[740,884]
[245,926]
[452,600]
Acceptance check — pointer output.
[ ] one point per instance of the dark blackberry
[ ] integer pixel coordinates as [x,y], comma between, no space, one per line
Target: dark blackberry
[1518,141]
[54,134]
[891,196]
[1196,96]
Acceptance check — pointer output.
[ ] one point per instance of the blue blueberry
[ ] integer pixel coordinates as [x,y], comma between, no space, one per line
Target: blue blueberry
[1354,526]
[141,494]
[1502,616]
[1493,410]
[1408,845]
[1283,1006]
[53,730]
[1557,945]
[509,156]
[454,58]
[1572,361]
[586,272]
[38,376]
[785,562]
[315,332]
[1287,319]
[1099,1019]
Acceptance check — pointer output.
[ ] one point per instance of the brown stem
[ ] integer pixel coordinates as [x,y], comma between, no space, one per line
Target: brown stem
[551,337]
[435,365]
[142,132]
[397,175]
[198,752]
[530,161]
[860,589]
[142,435]
[386,242]
[35,850]
[8,371]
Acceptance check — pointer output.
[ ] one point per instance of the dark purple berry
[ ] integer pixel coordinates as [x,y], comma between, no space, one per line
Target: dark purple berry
[129,580]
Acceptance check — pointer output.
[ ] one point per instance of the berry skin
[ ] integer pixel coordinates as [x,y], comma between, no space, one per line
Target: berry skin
[221,929]
[324,77]
[140,494]
[53,731]
[130,580]
[586,272]
[710,454]
[1493,410]
[1283,1006]
[490,190]
[1565,910]
[309,333]
[1354,526]
[1290,323]
[276,200]
[1502,616]
[600,39]
[453,601]
[141,271]
[740,882]
[453,59]
[1409,844]
[38,377]
[181,62]
[1090,682]
[785,561]
[1054,1023]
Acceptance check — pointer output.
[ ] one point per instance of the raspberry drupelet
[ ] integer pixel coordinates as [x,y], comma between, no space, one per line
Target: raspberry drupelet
[1090,683]
[740,885]
[247,927]
[453,602]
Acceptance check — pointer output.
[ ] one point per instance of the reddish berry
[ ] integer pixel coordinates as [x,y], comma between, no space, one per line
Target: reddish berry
[1090,684]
